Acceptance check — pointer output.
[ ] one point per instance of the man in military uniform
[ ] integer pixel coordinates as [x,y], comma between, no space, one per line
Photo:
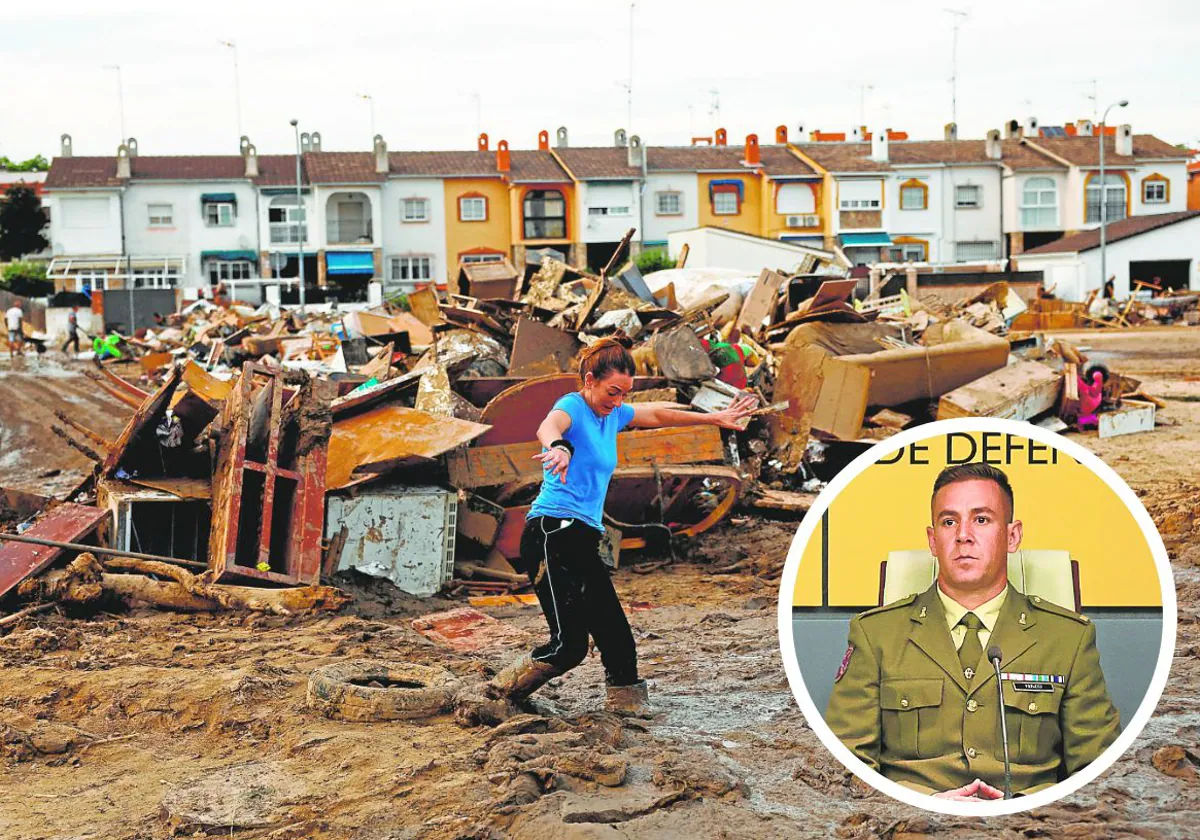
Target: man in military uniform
[915,697]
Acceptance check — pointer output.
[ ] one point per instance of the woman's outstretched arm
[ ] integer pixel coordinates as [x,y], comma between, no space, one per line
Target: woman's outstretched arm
[653,417]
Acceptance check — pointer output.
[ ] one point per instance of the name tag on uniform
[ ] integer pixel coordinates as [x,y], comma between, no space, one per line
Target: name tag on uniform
[1037,683]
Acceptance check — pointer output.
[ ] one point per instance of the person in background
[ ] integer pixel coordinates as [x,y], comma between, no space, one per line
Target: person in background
[729,357]
[16,338]
[560,546]
[72,330]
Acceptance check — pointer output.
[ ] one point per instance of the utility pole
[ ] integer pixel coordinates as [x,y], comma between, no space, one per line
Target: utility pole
[959,18]
[237,85]
[1104,203]
[120,97]
[301,217]
[863,87]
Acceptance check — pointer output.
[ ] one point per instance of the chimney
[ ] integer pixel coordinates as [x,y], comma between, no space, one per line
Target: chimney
[543,141]
[800,132]
[879,147]
[637,153]
[752,157]
[560,138]
[64,145]
[1012,130]
[503,159]
[951,131]
[1124,140]
[860,133]
[1084,128]
[721,137]
[250,156]
[620,140]
[1030,127]
[123,164]
[991,146]
[482,143]
[781,134]
[315,141]
[305,142]
[131,144]
[381,155]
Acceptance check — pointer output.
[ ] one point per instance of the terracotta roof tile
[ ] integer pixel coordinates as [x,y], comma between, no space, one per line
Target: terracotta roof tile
[341,168]
[1116,231]
[1020,156]
[777,160]
[844,157]
[599,163]
[280,171]
[72,172]
[695,158]
[535,165]
[1085,151]
[77,172]
[443,164]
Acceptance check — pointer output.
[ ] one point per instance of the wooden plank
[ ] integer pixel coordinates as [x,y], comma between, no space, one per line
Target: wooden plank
[424,306]
[539,349]
[141,419]
[66,523]
[391,433]
[1015,392]
[481,390]
[184,488]
[486,466]
[761,301]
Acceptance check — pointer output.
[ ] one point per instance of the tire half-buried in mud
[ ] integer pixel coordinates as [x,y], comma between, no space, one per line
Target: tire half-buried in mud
[364,690]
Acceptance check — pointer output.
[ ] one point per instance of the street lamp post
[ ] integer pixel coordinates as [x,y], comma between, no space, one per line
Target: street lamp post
[301,216]
[1104,199]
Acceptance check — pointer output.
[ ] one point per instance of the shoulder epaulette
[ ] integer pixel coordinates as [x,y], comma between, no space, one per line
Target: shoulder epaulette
[1053,608]
[903,602]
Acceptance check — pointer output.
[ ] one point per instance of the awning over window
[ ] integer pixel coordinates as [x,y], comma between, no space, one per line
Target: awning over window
[229,255]
[350,262]
[727,185]
[218,198]
[866,240]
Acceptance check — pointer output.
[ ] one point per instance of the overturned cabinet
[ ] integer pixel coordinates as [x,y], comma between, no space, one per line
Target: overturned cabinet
[268,495]
[404,533]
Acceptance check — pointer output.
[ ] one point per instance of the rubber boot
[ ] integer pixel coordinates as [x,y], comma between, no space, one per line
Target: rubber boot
[521,678]
[629,700]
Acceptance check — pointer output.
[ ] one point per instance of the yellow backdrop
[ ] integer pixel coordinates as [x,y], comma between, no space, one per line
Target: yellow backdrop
[1063,505]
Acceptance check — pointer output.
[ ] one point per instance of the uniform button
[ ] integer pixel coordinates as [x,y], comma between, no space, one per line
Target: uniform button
[972,705]
[1033,707]
[904,702]
[970,752]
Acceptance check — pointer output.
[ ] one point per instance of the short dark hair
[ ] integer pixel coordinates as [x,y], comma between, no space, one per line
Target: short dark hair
[976,472]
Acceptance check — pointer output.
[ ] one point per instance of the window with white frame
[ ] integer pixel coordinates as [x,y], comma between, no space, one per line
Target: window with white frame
[219,271]
[411,268]
[219,214]
[1154,191]
[860,204]
[1039,204]
[906,252]
[914,195]
[795,199]
[1113,191]
[153,278]
[974,251]
[968,196]
[414,210]
[860,194]
[287,221]
[725,203]
[481,258]
[160,215]
[472,209]
[668,203]
[91,280]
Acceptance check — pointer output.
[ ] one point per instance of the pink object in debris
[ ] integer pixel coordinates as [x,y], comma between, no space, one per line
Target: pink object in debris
[1090,397]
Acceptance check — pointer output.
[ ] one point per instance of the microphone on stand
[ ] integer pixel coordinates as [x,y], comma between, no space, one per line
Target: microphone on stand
[994,656]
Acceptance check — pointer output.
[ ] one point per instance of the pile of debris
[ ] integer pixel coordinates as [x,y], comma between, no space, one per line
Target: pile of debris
[270,450]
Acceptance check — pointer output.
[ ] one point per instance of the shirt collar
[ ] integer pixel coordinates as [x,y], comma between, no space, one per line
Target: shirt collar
[987,612]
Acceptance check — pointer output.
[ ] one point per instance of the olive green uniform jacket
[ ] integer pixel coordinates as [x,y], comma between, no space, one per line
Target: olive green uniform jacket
[903,705]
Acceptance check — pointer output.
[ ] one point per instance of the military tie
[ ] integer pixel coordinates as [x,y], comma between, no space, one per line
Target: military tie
[971,648]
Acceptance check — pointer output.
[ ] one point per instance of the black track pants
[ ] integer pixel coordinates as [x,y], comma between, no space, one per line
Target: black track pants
[562,559]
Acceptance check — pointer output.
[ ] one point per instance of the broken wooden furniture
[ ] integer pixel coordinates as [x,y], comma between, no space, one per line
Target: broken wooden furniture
[268,507]
[65,523]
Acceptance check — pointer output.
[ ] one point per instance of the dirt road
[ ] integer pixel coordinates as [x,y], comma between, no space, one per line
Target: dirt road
[151,725]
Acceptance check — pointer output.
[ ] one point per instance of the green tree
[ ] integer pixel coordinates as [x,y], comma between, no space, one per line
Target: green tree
[655,259]
[27,279]
[22,220]
[37,163]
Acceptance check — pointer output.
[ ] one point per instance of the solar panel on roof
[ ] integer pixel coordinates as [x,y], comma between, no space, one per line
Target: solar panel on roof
[1053,131]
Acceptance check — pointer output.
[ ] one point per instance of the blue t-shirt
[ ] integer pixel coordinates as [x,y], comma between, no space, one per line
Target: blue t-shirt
[591,467]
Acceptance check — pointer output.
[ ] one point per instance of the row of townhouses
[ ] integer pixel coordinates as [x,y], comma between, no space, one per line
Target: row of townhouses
[404,218]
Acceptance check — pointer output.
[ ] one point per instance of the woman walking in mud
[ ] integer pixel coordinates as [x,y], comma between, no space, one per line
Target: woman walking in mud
[560,546]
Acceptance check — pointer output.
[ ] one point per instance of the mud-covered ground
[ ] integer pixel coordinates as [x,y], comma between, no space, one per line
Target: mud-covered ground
[150,724]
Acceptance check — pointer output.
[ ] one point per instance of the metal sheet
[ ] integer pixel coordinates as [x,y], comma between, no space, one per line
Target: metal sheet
[66,523]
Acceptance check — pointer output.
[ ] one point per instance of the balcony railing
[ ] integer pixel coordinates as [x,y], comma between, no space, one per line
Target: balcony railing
[286,233]
[338,232]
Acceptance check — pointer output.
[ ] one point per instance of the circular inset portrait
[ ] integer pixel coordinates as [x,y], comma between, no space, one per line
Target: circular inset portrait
[977,616]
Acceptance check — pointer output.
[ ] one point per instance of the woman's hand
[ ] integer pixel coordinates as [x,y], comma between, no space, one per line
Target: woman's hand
[555,461]
[732,417]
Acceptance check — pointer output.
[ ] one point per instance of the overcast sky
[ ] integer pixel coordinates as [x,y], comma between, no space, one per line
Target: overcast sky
[532,64]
